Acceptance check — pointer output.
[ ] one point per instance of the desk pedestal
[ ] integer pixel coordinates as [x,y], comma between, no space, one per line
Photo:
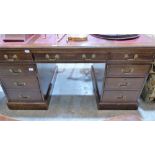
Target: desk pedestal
[28,86]
[118,86]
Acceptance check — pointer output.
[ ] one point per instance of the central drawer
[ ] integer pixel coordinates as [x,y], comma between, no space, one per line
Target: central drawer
[120,96]
[69,56]
[124,83]
[127,70]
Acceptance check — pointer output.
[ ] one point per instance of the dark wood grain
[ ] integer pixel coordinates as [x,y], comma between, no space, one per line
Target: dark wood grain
[130,60]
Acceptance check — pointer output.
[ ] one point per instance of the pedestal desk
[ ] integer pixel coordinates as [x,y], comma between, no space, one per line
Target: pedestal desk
[28,85]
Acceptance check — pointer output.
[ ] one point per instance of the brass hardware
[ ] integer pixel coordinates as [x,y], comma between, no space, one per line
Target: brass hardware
[47,56]
[56,57]
[127,70]
[135,56]
[24,97]
[19,84]
[14,57]
[15,71]
[84,57]
[121,97]
[125,84]
[6,57]
[93,56]
[126,56]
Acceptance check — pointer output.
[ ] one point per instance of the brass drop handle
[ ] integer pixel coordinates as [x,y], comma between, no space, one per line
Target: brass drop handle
[24,97]
[121,97]
[126,56]
[93,56]
[6,56]
[14,57]
[15,71]
[84,57]
[135,56]
[20,84]
[123,84]
[56,57]
[127,70]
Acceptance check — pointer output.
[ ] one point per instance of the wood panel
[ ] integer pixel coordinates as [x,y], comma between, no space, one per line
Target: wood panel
[127,70]
[124,83]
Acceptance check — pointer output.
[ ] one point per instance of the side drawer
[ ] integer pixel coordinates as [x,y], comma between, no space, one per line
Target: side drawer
[20,82]
[15,55]
[127,70]
[17,69]
[120,96]
[124,83]
[132,56]
[23,95]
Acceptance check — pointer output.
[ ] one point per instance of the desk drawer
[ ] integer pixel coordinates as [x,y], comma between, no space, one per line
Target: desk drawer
[17,69]
[15,55]
[120,96]
[23,95]
[124,83]
[70,56]
[127,70]
[131,56]
[20,82]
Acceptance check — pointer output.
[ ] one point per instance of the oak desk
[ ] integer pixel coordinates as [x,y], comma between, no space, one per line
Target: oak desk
[28,85]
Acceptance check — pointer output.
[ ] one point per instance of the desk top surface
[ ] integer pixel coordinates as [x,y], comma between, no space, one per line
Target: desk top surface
[50,41]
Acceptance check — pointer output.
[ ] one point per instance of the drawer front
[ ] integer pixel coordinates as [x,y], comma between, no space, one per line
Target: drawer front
[22,82]
[120,96]
[70,56]
[17,69]
[15,55]
[131,56]
[124,83]
[127,70]
[23,95]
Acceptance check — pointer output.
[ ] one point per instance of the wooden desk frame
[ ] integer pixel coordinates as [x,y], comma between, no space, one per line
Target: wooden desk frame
[127,68]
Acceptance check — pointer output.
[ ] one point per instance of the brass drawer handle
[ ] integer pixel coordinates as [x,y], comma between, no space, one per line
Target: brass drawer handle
[127,70]
[20,84]
[123,84]
[136,56]
[126,56]
[15,71]
[84,57]
[121,97]
[56,57]
[24,97]
[14,57]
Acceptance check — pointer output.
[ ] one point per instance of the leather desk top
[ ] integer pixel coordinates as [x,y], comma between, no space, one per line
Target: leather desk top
[50,41]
